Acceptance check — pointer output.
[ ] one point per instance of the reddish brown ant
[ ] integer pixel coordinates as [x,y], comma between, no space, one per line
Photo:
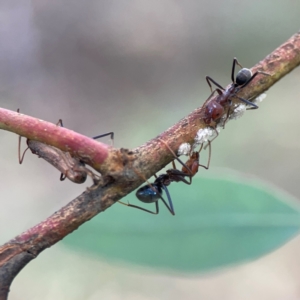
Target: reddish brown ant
[215,109]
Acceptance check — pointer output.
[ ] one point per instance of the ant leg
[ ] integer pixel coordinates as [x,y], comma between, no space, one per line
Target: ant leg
[170,208]
[212,94]
[112,134]
[253,76]
[201,147]
[253,105]
[62,175]
[181,174]
[60,123]
[209,155]
[217,134]
[21,158]
[235,62]
[96,179]
[68,166]
[141,208]
[76,162]
[74,169]
[176,157]
[210,80]
[180,161]
[227,115]
[145,179]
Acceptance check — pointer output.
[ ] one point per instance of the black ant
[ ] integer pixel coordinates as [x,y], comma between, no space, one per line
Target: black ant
[72,168]
[215,109]
[151,193]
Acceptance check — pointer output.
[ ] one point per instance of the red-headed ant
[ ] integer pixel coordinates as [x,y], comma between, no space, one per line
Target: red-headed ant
[215,109]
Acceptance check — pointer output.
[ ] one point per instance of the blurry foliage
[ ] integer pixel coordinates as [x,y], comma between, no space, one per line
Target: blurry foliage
[218,222]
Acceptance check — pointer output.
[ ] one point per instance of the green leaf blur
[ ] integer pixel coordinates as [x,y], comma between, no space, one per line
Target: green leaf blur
[217,222]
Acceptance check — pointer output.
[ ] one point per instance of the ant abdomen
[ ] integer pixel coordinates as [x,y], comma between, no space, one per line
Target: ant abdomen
[149,193]
[243,76]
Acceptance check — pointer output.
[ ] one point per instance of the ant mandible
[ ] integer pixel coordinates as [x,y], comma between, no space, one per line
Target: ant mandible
[215,109]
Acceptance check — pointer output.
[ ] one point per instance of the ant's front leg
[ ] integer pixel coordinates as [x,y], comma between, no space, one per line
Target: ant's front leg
[210,81]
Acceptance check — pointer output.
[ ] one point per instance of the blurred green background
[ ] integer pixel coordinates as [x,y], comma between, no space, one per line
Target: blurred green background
[136,68]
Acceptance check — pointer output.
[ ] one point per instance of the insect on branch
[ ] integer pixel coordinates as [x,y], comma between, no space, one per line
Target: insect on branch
[120,167]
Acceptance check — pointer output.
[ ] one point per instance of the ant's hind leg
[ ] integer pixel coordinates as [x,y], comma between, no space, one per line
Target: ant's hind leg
[217,134]
[253,76]
[112,136]
[176,157]
[253,105]
[170,206]
[21,157]
[209,155]
[141,208]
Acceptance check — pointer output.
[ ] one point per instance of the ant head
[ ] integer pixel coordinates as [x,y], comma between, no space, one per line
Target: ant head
[243,76]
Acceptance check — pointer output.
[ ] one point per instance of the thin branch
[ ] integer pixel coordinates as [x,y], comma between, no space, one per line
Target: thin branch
[122,170]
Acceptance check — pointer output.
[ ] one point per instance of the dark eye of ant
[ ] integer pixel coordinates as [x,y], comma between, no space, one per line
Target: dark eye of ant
[243,76]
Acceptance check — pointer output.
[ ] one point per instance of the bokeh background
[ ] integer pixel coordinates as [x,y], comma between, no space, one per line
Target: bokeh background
[135,68]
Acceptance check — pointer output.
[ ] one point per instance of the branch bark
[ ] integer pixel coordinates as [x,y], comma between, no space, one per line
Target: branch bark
[122,170]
